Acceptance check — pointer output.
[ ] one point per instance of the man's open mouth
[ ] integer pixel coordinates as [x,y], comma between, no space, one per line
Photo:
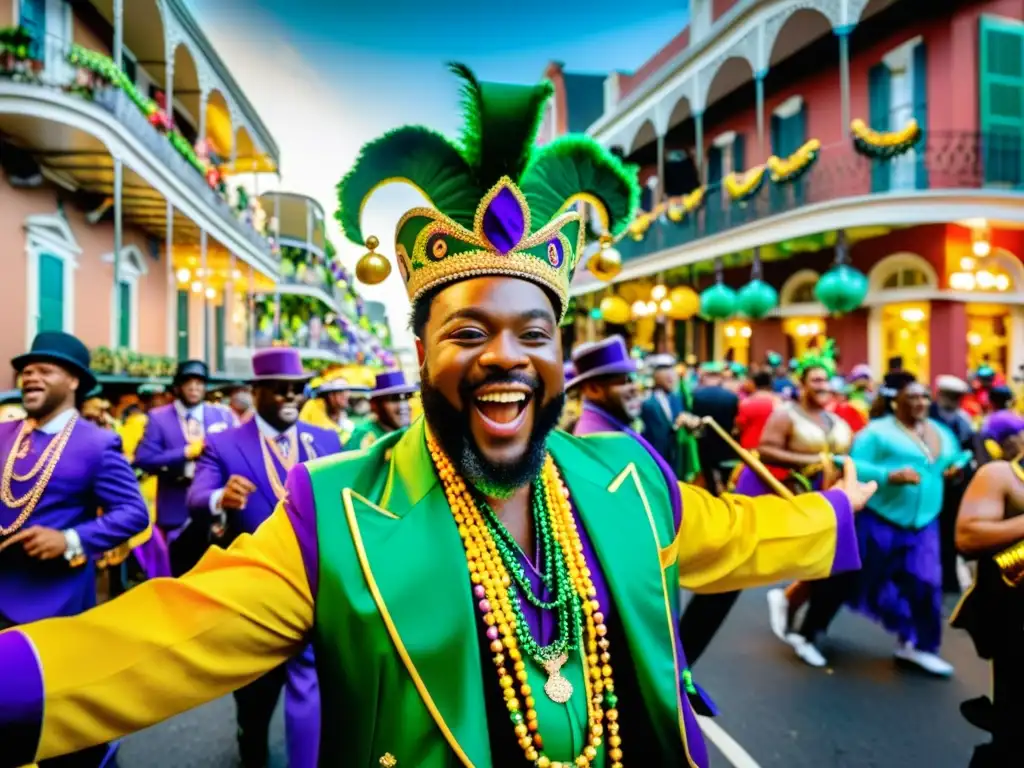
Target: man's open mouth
[502,409]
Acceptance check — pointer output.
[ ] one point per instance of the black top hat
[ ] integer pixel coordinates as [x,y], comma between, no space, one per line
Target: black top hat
[63,349]
[191,369]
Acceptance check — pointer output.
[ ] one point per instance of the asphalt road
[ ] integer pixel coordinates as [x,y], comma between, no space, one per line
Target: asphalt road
[861,712]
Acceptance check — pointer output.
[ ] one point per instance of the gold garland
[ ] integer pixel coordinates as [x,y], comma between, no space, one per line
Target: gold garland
[491,581]
[794,165]
[884,143]
[28,502]
[742,186]
[675,208]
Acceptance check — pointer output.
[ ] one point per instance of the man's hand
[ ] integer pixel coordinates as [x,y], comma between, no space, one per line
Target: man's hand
[236,493]
[687,421]
[857,492]
[193,449]
[905,476]
[39,542]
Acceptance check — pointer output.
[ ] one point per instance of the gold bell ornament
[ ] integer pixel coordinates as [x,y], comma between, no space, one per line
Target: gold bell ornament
[372,268]
[606,263]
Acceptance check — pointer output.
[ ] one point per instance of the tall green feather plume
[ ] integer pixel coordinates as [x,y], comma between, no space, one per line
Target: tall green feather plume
[824,358]
[417,156]
[572,165]
[501,124]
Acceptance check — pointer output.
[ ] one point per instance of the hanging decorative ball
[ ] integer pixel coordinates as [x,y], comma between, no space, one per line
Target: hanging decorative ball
[615,310]
[606,263]
[756,299]
[842,289]
[372,268]
[718,302]
[685,303]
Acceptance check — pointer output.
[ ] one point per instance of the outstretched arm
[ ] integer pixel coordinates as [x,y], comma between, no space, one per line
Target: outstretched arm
[981,524]
[735,542]
[164,647]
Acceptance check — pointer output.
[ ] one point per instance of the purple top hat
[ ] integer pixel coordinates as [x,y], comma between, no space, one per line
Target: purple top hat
[1001,425]
[278,364]
[608,357]
[392,383]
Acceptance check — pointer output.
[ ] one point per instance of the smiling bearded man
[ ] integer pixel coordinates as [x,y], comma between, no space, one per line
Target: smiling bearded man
[480,589]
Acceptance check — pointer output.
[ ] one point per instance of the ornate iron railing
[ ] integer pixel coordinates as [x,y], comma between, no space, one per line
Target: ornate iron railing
[941,160]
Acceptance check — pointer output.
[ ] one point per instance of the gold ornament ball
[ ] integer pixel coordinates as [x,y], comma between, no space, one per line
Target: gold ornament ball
[373,269]
[605,264]
[685,303]
[372,242]
[615,309]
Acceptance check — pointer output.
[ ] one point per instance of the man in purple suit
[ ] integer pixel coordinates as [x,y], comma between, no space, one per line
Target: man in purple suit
[175,437]
[239,479]
[58,471]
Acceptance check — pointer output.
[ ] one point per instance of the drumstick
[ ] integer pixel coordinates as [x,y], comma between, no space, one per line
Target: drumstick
[750,460]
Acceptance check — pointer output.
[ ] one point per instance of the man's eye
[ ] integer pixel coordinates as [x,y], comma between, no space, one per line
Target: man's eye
[468,334]
[536,335]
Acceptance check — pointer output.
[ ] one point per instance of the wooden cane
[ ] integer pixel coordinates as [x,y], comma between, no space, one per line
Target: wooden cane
[750,460]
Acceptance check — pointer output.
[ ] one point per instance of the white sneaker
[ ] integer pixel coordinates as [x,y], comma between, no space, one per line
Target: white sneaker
[929,662]
[807,651]
[778,612]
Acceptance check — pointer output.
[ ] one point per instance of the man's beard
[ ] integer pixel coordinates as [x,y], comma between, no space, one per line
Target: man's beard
[451,428]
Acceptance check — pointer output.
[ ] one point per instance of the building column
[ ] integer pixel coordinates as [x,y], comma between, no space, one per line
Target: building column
[843,33]
[169,88]
[251,307]
[698,140]
[119,34]
[229,304]
[659,194]
[203,242]
[759,92]
[947,338]
[118,244]
[172,285]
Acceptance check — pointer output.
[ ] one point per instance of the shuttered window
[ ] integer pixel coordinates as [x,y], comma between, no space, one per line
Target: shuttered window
[124,300]
[788,134]
[1001,92]
[51,293]
[879,117]
[32,17]
[183,325]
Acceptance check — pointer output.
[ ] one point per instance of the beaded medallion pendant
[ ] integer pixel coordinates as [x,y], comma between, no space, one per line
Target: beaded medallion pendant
[495,589]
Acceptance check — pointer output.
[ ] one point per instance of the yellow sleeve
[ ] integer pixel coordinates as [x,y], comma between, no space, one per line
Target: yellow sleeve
[170,644]
[736,542]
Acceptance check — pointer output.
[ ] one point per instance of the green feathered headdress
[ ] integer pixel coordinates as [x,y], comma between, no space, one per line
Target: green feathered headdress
[824,358]
[499,204]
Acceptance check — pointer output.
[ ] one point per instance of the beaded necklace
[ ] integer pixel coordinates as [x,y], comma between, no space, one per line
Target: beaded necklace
[493,588]
[269,447]
[50,457]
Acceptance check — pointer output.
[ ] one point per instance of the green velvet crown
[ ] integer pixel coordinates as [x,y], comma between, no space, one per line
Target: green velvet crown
[824,358]
[499,205]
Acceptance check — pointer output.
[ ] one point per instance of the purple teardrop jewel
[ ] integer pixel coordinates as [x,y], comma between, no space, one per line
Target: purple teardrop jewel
[504,223]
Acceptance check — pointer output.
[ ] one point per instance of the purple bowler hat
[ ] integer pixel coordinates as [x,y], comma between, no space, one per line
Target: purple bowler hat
[278,364]
[608,357]
[392,383]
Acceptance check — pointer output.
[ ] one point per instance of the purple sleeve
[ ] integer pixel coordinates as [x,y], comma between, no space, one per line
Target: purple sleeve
[209,477]
[21,700]
[116,492]
[154,457]
[847,556]
[300,507]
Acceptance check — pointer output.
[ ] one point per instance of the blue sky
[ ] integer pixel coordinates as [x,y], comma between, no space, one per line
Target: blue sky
[326,76]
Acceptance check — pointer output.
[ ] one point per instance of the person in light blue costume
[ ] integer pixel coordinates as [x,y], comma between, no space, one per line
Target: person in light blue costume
[900,584]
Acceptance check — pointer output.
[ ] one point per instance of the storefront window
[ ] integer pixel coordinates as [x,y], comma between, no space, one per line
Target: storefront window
[988,336]
[905,334]
[804,333]
[736,342]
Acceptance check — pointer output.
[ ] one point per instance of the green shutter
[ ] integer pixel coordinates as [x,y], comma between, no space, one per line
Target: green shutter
[33,18]
[796,136]
[124,320]
[920,74]
[51,293]
[1001,91]
[879,115]
[183,325]
[221,341]
[713,206]
[739,160]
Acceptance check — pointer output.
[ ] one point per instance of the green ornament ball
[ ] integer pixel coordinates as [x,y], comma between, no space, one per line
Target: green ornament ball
[757,299]
[842,289]
[718,302]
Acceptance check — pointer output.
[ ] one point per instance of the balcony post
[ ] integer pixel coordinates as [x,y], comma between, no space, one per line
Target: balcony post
[251,305]
[698,140]
[119,33]
[118,238]
[172,284]
[203,238]
[660,192]
[169,88]
[759,91]
[229,303]
[843,33]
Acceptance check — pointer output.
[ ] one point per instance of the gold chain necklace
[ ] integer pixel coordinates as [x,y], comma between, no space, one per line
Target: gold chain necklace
[490,586]
[918,440]
[28,502]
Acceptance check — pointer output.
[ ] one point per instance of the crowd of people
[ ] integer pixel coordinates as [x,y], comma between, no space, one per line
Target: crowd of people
[477,586]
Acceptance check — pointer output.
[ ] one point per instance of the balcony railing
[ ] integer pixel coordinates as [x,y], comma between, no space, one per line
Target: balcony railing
[92,78]
[940,161]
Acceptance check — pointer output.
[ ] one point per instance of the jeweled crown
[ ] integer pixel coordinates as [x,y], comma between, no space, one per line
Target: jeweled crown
[499,205]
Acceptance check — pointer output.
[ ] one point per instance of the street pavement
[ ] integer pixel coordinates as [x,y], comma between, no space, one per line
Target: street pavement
[861,712]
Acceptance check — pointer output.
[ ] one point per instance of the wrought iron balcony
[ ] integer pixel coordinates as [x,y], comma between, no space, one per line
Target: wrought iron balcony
[942,160]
